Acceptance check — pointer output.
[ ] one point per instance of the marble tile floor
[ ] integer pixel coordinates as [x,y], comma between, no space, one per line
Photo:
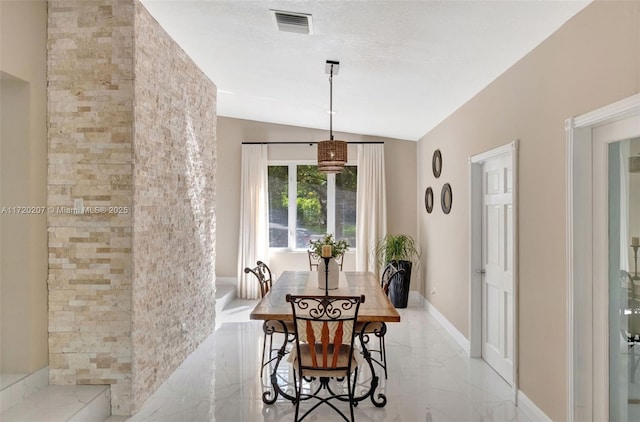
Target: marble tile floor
[430,379]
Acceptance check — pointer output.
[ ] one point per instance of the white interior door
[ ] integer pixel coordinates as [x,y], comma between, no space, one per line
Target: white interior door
[497,265]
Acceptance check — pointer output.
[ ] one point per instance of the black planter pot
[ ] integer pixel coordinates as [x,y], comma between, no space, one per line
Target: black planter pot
[399,288]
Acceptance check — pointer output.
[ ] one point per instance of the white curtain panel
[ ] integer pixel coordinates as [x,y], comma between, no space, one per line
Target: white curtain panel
[371,219]
[254,218]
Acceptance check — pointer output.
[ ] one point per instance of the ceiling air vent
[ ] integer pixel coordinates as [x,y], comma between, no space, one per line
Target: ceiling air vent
[300,23]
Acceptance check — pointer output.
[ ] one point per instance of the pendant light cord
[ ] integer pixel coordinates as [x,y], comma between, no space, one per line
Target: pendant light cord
[331,104]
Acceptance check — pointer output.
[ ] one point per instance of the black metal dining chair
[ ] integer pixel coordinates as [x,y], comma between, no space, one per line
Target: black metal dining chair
[325,337]
[378,328]
[270,327]
[314,260]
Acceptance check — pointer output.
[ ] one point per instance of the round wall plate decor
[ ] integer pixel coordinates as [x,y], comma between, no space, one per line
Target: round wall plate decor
[436,163]
[446,198]
[428,199]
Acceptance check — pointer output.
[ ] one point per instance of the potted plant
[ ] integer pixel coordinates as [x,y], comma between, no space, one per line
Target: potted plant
[328,279]
[337,247]
[402,251]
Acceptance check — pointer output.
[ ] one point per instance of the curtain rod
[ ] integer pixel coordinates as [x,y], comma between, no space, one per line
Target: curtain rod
[305,143]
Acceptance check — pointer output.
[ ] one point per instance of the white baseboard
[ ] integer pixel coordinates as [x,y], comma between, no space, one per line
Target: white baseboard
[530,409]
[525,404]
[449,327]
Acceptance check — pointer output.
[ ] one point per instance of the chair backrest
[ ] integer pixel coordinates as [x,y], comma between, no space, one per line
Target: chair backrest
[389,275]
[263,274]
[340,259]
[314,259]
[324,330]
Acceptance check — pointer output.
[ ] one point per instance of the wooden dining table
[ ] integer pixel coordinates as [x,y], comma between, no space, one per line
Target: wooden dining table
[375,309]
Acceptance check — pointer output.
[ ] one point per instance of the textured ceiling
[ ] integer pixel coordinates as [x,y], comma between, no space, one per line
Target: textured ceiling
[404,65]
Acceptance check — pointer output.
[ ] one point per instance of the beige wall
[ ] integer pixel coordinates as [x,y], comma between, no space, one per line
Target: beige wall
[23,182]
[591,61]
[400,173]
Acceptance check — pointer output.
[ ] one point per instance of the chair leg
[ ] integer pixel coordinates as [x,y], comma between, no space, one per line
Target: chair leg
[351,390]
[297,384]
[270,346]
[264,347]
[383,352]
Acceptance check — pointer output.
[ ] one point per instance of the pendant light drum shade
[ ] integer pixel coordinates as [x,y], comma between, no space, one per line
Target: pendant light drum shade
[332,156]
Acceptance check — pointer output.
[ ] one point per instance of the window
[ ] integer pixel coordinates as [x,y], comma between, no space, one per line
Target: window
[324,204]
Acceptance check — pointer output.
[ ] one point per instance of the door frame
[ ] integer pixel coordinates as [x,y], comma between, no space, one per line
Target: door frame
[475,252]
[585,304]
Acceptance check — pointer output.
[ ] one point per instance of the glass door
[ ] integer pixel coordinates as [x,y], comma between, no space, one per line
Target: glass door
[624,279]
[603,213]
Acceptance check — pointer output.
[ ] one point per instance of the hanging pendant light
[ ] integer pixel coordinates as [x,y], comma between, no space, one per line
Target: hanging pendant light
[332,155]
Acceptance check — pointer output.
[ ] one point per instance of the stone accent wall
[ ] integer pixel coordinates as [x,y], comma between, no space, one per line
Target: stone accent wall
[90,106]
[174,207]
[131,280]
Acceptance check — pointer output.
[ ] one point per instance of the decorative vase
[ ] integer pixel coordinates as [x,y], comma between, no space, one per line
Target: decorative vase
[399,288]
[334,274]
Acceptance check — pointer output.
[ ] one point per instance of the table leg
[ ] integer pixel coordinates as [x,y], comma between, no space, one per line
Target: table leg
[382,399]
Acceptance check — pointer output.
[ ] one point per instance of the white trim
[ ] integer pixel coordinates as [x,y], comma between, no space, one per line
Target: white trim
[569,124]
[609,113]
[475,259]
[516,266]
[331,204]
[504,149]
[530,409]
[579,213]
[448,327]
[292,209]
